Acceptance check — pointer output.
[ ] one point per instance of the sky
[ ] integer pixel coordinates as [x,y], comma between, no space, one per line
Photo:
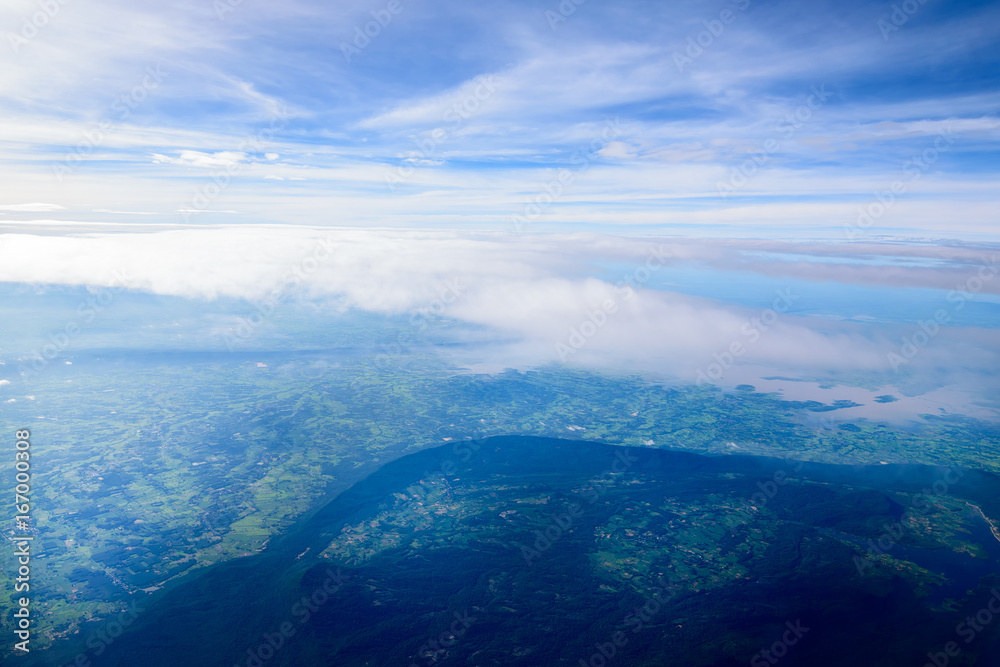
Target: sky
[635,185]
[846,121]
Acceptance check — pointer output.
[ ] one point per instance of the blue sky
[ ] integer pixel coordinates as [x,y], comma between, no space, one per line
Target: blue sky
[512,166]
[745,118]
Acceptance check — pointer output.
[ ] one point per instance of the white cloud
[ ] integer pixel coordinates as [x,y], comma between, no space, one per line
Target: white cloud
[36,207]
[617,150]
[534,290]
[189,158]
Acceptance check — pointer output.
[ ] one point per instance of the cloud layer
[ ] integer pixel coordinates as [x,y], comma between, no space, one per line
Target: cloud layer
[554,297]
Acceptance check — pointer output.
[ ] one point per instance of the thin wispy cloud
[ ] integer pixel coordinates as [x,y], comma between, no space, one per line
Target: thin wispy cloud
[512,95]
[34,207]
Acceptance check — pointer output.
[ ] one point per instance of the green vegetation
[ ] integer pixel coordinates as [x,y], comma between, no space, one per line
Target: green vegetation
[148,472]
[551,546]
